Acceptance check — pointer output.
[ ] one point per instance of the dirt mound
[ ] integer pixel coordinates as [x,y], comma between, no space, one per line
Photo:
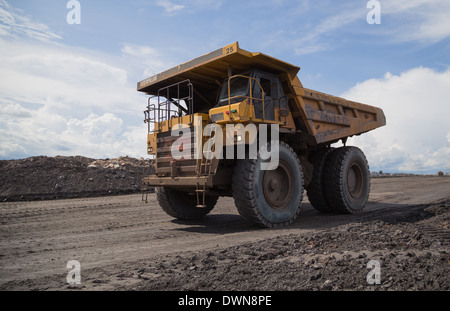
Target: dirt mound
[41,177]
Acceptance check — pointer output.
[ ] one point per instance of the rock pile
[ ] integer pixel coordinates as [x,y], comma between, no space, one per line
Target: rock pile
[38,178]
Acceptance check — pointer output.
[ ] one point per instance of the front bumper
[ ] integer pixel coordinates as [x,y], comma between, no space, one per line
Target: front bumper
[155,181]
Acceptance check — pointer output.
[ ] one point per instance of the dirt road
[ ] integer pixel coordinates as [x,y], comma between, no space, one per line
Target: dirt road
[123,244]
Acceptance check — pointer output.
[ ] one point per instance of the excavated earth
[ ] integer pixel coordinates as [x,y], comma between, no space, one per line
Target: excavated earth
[123,243]
[39,178]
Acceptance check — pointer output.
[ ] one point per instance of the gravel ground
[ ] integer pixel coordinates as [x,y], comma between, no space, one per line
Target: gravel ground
[125,244]
[412,250]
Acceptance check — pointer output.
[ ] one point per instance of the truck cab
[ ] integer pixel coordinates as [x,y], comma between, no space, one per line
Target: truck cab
[251,96]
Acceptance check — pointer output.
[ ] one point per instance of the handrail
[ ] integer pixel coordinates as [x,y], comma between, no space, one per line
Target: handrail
[147,114]
[249,97]
[163,112]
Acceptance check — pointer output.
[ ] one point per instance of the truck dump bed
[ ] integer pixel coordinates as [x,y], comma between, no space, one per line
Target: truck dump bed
[330,118]
[324,118]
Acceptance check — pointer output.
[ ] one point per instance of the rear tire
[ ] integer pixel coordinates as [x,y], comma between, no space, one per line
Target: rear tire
[269,198]
[347,180]
[181,205]
[316,189]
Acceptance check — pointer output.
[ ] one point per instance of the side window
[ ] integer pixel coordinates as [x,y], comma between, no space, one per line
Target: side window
[270,85]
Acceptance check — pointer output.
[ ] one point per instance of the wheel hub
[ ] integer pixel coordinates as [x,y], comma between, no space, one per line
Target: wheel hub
[278,186]
[355,180]
[274,184]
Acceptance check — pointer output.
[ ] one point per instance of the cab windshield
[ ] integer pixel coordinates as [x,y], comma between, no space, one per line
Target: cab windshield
[239,88]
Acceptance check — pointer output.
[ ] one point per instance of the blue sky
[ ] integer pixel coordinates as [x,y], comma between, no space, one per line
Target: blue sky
[71,89]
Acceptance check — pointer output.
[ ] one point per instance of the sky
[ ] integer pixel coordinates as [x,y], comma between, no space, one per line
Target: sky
[70,89]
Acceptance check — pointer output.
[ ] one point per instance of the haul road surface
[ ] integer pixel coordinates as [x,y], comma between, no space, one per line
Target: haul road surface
[122,243]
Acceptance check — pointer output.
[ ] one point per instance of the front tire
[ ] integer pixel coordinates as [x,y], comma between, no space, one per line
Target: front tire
[269,198]
[181,205]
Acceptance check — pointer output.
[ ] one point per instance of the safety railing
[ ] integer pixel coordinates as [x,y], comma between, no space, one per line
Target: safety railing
[167,98]
[252,100]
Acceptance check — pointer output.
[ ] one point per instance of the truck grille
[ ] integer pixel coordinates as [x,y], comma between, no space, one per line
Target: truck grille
[166,165]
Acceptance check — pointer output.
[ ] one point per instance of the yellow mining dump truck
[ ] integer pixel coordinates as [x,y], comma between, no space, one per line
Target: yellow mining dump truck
[205,117]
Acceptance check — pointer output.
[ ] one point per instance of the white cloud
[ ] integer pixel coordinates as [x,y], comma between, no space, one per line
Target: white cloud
[61,78]
[169,7]
[402,21]
[36,133]
[14,110]
[61,100]
[417,135]
[311,40]
[311,47]
[94,128]
[13,23]
[145,57]
[96,136]
[427,20]
[104,136]
[187,6]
